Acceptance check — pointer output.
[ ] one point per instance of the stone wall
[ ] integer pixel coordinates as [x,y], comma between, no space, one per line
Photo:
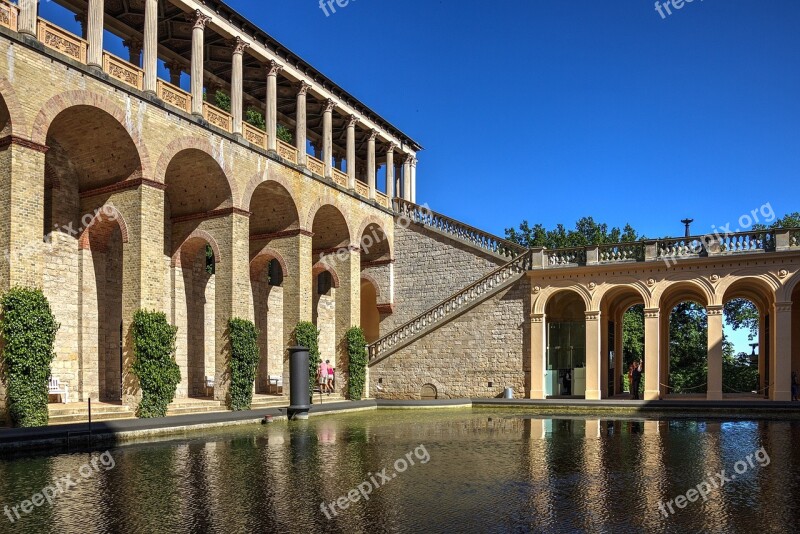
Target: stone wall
[461,358]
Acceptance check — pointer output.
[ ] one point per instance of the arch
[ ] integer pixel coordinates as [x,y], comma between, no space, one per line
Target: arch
[756,289]
[609,293]
[272,209]
[17,118]
[192,245]
[673,291]
[321,204]
[540,305]
[330,228]
[63,101]
[185,194]
[202,145]
[368,221]
[260,178]
[322,266]
[262,258]
[94,236]
[374,243]
[789,287]
[371,279]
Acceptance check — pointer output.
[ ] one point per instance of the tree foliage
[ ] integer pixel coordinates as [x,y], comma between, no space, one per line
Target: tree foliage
[29,331]
[306,335]
[154,362]
[586,232]
[357,362]
[244,362]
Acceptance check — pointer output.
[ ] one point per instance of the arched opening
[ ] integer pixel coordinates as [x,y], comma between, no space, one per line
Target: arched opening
[196,189]
[370,318]
[746,355]
[795,334]
[85,248]
[274,222]
[5,119]
[331,251]
[565,373]
[685,347]
[623,328]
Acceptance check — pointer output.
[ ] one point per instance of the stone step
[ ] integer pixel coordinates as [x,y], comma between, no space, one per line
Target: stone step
[57,410]
[82,418]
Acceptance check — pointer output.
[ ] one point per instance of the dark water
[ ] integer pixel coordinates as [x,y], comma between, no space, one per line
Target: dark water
[473,471]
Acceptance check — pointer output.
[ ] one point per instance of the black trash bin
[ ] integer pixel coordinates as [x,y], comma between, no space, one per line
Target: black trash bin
[299,392]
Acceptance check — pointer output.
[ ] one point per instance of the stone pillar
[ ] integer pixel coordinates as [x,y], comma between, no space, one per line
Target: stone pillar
[371,163]
[652,356]
[714,314]
[237,94]
[175,69]
[390,172]
[199,20]
[407,178]
[150,62]
[94,33]
[414,180]
[26,22]
[327,136]
[348,305]
[134,46]
[780,369]
[619,360]
[604,354]
[300,129]
[351,151]
[538,352]
[762,354]
[315,146]
[593,391]
[273,68]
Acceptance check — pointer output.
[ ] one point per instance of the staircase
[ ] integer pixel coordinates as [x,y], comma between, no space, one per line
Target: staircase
[78,412]
[519,262]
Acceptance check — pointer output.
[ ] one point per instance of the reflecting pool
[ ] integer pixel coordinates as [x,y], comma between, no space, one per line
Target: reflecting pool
[462,470]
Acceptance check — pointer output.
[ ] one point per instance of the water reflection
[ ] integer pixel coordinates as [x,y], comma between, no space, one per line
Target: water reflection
[488,472]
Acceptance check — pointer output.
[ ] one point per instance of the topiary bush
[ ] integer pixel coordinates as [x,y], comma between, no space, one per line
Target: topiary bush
[306,335]
[357,362]
[154,362]
[29,331]
[244,362]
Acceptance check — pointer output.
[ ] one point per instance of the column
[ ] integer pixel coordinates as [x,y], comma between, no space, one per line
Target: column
[134,46]
[538,351]
[327,136]
[390,172]
[780,369]
[273,68]
[714,314]
[94,33]
[300,130]
[175,70]
[371,163]
[348,303]
[26,22]
[762,354]
[200,22]
[150,62]
[239,47]
[407,178]
[652,356]
[414,180]
[351,151]
[619,360]
[593,390]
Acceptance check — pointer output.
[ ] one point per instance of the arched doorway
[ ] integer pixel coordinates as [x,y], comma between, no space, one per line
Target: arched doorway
[565,363]
[685,350]
[376,272]
[86,247]
[623,328]
[370,318]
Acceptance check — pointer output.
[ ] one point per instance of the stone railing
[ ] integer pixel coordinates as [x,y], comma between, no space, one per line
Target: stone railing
[287,151]
[316,166]
[561,257]
[339,177]
[459,230]
[746,242]
[254,136]
[362,189]
[382,199]
[8,15]
[794,238]
[217,117]
[174,96]
[123,71]
[62,41]
[449,307]
[621,252]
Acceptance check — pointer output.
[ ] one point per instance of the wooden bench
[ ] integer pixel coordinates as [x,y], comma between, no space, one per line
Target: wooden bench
[209,385]
[276,382]
[54,387]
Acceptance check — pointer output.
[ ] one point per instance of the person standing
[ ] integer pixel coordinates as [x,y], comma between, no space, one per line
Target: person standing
[637,379]
[322,377]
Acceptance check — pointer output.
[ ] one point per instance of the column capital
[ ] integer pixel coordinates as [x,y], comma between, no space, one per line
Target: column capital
[133,43]
[239,45]
[537,318]
[715,309]
[783,307]
[406,158]
[391,148]
[174,65]
[328,105]
[198,19]
[413,161]
[303,87]
[353,120]
[593,315]
[652,313]
[273,68]
[373,134]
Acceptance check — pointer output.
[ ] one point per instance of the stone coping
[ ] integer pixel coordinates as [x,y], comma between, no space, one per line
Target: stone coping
[111,433]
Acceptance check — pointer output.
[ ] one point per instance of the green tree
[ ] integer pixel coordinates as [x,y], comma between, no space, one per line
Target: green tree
[306,335]
[154,362]
[284,134]
[243,364]
[688,348]
[255,118]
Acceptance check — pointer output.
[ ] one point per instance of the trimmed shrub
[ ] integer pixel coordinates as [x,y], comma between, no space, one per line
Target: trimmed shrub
[154,362]
[357,362]
[306,335]
[244,362]
[29,331]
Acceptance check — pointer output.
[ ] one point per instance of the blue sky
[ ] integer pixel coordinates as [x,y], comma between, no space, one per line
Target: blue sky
[554,110]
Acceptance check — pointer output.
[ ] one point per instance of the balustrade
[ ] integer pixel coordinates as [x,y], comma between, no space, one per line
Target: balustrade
[287,151]
[794,238]
[62,41]
[316,166]
[254,136]
[8,15]
[338,176]
[747,242]
[362,189]
[123,71]
[382,199]
[174,96]
[217,117]
[562,257]
[622,252]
